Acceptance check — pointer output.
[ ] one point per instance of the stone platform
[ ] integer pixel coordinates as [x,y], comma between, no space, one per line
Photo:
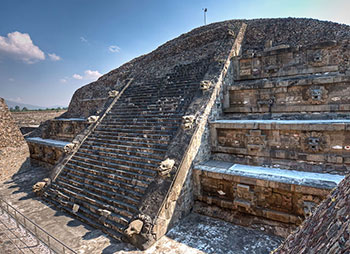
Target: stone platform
[278,197]
[195,234]
[46,151]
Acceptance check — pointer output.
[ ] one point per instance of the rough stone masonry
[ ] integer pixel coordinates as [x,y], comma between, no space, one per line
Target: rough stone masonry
[229,92]
[10,136]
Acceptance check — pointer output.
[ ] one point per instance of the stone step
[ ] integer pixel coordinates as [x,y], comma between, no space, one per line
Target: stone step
[83,215]
[146,121]
[125,161]
[161,96]
[141,100]
[110,119]
[143,124]
[151,104]
[92,198]
[164,85]
[77,164]
[127,150]
[117,127]
[164,91]
[133,186]
[140,113]
[130,107]
[84,182]
[113,154]
[90,212]
[139,168]
[160,145]
[133,136]
[144,116]
[157,100]
[131,131]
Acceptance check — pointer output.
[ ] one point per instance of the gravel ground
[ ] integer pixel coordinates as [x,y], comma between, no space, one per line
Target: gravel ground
[12,160]
[15,239]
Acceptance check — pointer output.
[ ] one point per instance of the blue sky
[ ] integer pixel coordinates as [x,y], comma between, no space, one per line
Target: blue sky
[48,48]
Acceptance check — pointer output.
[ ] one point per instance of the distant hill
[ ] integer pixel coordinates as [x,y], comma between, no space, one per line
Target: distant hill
[13,104]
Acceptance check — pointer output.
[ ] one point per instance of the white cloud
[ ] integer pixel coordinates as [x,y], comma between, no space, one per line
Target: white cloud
[89,74]
[20,46]
[17,99]
[114,49]
[77,76]
[63,80]
[83,39]
[54,57]
[11,79]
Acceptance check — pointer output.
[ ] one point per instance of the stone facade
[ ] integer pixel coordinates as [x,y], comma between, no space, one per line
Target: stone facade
[282,198]
[284,106]
[51,141]
[285,61]
[46,152]
[318,146]
[316,94]
[64,129]
[10,136]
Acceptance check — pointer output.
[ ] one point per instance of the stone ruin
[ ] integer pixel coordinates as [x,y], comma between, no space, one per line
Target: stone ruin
[243,120]
[10,135]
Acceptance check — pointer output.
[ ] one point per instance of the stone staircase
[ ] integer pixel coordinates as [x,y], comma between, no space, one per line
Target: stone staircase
[107,178]
[285,116]
[128,170]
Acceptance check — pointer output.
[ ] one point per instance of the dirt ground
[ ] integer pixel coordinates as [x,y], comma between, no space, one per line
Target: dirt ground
[12,159]
[30,118]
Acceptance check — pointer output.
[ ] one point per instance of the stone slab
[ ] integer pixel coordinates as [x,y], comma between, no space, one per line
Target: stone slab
[317,180]
[48,142]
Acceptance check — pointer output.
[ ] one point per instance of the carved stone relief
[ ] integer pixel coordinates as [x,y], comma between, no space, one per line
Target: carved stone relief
[316,95]
[232,138]
[187,122]
[314,142]
[256,142]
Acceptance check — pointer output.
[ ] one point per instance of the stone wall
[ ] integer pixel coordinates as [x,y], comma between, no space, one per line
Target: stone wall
[45,154]
[287,98]
[64,129]
[316,146]
[10,136]
[285,61]
[327,230]
[276,198]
